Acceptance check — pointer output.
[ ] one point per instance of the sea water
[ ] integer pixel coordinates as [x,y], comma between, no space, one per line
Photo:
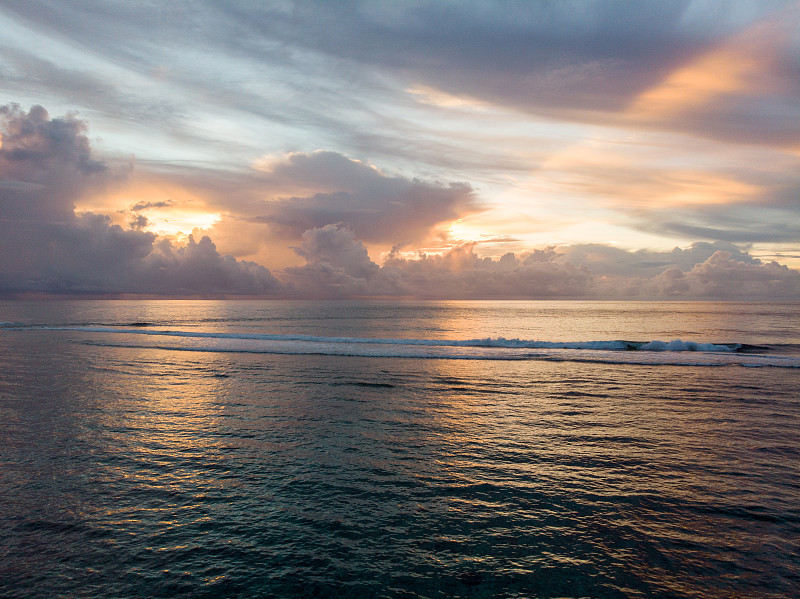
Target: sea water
[399,449]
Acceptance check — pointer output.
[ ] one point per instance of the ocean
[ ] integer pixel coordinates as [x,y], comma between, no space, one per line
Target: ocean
[399,449]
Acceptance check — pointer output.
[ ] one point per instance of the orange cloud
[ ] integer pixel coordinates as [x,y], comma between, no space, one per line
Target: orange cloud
[434,97]
[170,210]
[743,64]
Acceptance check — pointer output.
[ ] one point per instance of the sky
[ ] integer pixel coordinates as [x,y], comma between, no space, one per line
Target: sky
[625,149]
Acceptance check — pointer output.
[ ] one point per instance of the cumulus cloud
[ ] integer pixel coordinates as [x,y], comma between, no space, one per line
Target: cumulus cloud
[338,266]
[376,207]
[460,273]
[199,268]
[46,166]
[704,270]
[337,246]
[724,276]
[618,262]
[266,209]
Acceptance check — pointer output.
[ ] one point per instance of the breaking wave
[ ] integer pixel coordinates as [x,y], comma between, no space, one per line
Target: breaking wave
[655,352]
[499,342]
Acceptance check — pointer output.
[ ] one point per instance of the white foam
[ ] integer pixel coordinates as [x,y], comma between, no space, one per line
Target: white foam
[498,342]
[678,345]
[675,352]
[377,350]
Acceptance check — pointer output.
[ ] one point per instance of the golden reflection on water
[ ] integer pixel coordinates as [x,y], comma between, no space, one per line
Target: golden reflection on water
[158,413]
[466,473]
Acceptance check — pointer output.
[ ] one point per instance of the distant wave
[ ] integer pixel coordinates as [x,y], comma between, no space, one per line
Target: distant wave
[497,342]
[654,352]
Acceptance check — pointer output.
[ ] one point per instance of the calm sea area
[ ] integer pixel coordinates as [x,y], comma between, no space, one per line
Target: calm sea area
[399,449]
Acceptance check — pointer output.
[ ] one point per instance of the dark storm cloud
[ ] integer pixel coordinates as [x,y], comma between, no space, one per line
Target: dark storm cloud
[46,247]
[375,206]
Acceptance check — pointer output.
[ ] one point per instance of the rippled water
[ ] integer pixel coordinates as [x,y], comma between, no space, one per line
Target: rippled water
[132,467]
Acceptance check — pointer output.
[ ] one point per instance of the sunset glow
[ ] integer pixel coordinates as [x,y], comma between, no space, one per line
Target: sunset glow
[181,224]
[399,298]
[652,131]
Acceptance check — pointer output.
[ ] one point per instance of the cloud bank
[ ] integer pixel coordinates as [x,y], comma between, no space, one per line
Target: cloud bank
[338,266]
[47,165]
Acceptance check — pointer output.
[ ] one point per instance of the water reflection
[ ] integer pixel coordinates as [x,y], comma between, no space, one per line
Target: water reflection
[136,472]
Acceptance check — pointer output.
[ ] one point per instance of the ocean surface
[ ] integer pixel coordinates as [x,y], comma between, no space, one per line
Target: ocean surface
[399,449]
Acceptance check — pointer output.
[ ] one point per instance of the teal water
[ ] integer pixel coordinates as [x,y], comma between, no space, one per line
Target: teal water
[275,449]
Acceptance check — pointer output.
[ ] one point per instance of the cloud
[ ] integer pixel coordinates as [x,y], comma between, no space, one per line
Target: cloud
[45,246]
[742,89]
[612,261]
[47,166]
[265,209]
[376,207]
[338,266]
[723,276]
[460,273]
[686,190]
[748,223]
[706,68]
[724,70]
[147,205]
[200,268]
[338,247]
[718,270]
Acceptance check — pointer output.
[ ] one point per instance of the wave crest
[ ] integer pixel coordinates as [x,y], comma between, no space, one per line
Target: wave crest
[676,345]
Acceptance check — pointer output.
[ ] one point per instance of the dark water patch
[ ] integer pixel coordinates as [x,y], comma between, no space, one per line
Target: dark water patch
[576,393]
[367,384]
